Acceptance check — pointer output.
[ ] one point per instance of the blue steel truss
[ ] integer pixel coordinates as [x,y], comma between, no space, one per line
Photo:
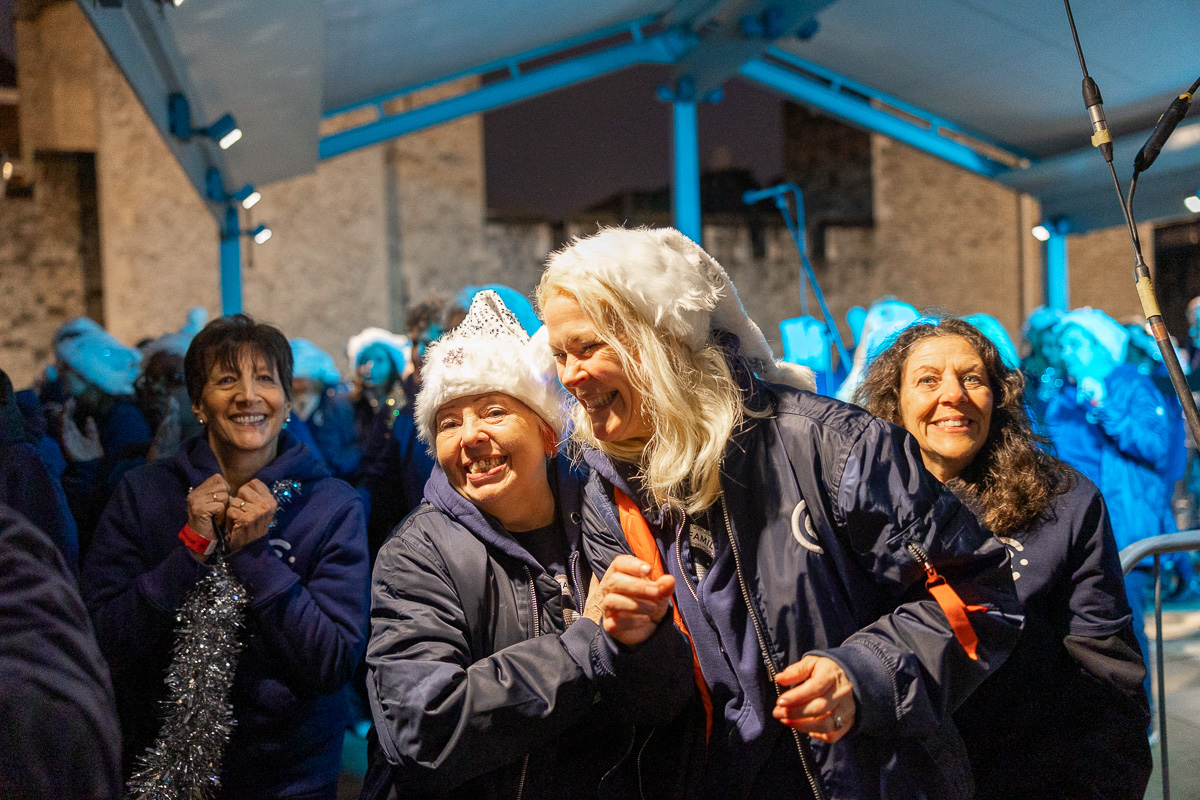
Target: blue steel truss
[661,48]
[869,108]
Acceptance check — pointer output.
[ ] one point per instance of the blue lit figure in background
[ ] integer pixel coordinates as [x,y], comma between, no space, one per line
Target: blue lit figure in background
[381,360]
[886,318]
[855,317]
[806,342]
[1112,424]
[323,409]
[1042,364]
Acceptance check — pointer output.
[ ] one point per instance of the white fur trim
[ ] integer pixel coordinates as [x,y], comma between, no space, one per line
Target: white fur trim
[678,287]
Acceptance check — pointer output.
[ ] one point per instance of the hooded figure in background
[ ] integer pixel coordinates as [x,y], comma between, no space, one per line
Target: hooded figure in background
[27,485]
[1113,425]
[884,319]
[326,412]
[100,429]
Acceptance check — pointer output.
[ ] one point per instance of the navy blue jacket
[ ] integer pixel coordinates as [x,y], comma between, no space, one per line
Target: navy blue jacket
[1066,715]
[333,430]
[478,688]
[822,501]
[58,721]
[305,628]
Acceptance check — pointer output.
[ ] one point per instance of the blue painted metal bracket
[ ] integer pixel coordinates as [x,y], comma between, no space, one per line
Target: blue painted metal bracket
[861,105]
[662,48]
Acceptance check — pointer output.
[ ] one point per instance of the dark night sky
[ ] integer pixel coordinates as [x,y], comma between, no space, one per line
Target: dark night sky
[562,152]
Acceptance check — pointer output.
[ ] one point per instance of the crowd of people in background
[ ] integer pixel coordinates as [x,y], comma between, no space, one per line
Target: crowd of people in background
[528,636]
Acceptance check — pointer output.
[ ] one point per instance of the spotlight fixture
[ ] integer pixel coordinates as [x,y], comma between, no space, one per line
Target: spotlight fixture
[248,196]
[260,234]
[224,131]
[1193,203]
[1041,233]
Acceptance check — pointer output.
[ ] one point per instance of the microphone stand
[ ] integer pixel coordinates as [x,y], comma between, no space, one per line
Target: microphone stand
[796,227]
[1141,273]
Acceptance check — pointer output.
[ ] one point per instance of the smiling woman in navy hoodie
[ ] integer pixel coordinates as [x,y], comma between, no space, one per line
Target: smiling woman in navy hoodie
[490,675]
[298,545]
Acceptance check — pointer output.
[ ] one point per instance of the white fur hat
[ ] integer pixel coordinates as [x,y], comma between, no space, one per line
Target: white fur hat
[489,352]
[678,288]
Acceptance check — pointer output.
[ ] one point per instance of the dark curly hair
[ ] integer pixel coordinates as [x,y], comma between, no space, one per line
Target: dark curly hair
[1012,480]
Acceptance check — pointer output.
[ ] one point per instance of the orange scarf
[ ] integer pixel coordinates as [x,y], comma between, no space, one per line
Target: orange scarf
[641,541]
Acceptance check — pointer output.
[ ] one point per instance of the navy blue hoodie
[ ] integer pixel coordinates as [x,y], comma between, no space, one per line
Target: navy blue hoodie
[306,623]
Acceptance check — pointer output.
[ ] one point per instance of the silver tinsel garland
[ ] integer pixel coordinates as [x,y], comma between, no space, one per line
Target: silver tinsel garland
[185,761]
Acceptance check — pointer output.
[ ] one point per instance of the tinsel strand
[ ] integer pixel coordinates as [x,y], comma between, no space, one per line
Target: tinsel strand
[184,762]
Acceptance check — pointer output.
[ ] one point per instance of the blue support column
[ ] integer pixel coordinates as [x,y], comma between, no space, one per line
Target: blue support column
[685,188]
[1058,295]
[231,262]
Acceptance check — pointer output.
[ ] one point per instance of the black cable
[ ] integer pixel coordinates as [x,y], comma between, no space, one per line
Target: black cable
[1075,36]
[1133,217]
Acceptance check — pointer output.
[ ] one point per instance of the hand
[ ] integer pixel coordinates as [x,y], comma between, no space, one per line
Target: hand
[169,434]
[822,698]
[1091,391]
[627,603]
[207,504]
[79,446]
[250,514]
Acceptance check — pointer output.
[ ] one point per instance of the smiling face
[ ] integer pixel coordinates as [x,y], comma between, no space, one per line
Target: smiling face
[946,403]
[493,449]
[245,408]
[591,371]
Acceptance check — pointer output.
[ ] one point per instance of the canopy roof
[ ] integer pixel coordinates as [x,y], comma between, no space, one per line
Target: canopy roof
[993,87]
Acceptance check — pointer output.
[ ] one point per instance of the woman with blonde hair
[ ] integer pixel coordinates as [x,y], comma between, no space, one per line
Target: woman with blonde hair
[799,531]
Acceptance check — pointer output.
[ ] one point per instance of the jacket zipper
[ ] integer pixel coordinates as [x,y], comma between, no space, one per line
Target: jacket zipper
[805,758]
[580,598]
[537,631]
[679,561]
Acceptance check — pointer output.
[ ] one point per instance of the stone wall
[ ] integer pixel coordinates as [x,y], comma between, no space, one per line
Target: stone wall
[41,268]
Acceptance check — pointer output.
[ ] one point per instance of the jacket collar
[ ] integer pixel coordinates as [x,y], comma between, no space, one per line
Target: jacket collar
[294,461]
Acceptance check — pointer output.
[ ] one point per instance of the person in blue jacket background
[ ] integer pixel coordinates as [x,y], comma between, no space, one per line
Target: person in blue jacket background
[298,545]
[1112,424]
[328,414]
[800,531]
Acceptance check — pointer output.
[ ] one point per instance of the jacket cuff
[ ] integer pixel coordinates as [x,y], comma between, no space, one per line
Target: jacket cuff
[578,639]
[168,584]
[261,571]
[609,657]
[877,694]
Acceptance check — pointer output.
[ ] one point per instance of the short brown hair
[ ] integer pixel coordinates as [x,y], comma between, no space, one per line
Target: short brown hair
[224,340]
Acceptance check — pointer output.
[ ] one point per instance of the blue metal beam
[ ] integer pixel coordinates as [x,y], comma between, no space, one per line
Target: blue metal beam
[663,48]
[1058,284]
[231,262]
[855,107]
[685,189]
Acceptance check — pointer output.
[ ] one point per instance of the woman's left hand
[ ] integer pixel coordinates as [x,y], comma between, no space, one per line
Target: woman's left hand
[250,514]
[821,703]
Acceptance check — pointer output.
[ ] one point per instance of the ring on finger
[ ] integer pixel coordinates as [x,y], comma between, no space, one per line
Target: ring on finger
[215,497]
[242,506]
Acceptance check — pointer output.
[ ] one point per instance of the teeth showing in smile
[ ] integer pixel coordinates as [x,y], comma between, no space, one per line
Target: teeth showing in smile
[249,419]
[596,403]
[484,464]
[951,423]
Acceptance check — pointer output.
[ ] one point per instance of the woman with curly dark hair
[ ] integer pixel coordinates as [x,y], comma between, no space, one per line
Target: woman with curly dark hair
[1066,715]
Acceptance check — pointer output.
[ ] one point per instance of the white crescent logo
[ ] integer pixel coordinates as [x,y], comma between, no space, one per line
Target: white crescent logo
[810,546]
[1018,547]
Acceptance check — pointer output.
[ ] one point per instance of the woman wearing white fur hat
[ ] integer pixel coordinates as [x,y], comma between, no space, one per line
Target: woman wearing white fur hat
[800,532]
[488,673]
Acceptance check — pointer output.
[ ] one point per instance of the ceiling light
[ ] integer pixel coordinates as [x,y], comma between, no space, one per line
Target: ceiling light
[261,234]
[1193,204]
[1041,233]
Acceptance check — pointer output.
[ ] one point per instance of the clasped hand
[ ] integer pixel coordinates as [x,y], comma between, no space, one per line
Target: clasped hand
[247,514]
[626,602]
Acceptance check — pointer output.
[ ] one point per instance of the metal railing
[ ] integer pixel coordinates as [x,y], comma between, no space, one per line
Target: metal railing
[1157,546]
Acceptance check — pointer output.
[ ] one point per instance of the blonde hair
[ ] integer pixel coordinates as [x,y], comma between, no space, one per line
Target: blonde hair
[689,395]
